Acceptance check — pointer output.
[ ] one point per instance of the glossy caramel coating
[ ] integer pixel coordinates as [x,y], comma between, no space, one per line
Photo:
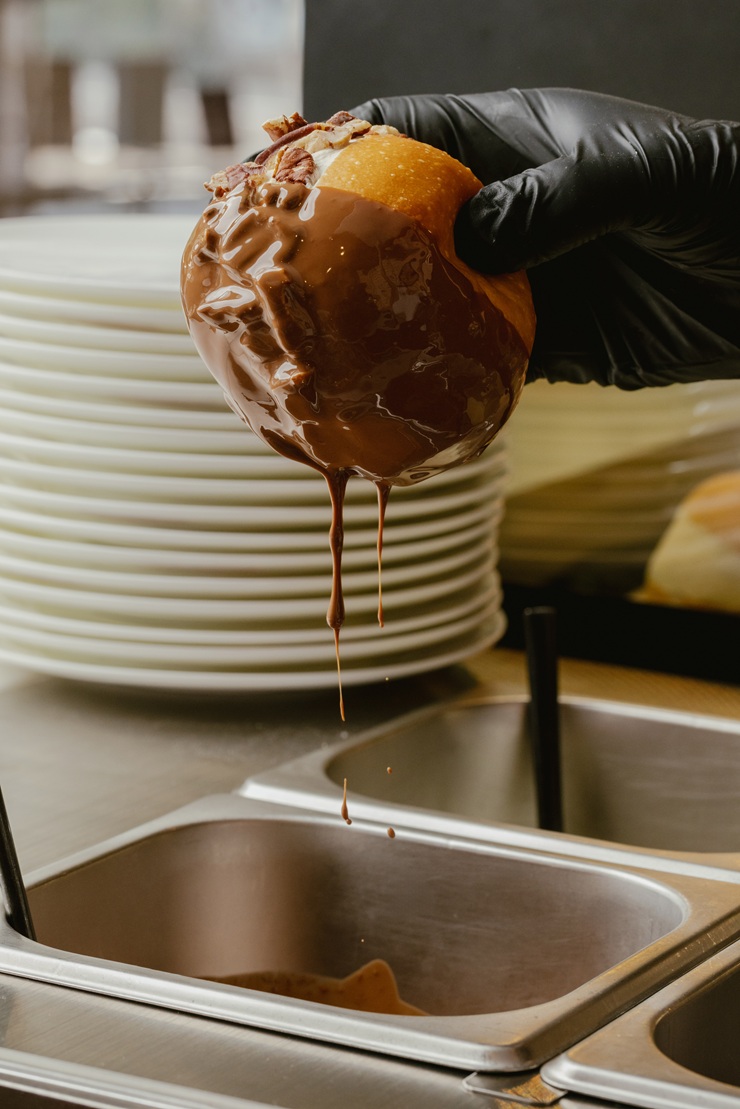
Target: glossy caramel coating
[344,337]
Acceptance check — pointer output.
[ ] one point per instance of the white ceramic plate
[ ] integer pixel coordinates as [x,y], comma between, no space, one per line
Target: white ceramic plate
[398,531]
[587,554]
[150,463]
[152,560]
[73,336]
[189,517]
[114,411]
[127,437]
[247,586]
[601,531]
[385,644]
[607,403]
[256,527]
[459,606]
[91,364]
[183,489]
[102,465]
[202,394]
[304,487]
[564,431]
[559,557]
[88,604]
[127,258]
[300,520]
[561,519]
[143,317]
[638,486]
[484,635]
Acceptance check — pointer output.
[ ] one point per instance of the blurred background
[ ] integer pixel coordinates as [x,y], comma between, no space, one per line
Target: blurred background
[130,105]
[136,102]
[680,54]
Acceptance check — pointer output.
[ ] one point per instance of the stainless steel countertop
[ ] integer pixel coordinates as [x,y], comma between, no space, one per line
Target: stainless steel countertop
[79,764]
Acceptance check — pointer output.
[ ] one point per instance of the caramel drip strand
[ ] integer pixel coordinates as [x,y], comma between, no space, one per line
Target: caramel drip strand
[384,490]
[339,675]
[337,482]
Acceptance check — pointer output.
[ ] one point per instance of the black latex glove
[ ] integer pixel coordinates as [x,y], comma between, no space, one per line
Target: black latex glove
[626,217]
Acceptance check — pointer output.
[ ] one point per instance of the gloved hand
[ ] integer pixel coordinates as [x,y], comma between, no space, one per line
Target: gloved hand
[627,218]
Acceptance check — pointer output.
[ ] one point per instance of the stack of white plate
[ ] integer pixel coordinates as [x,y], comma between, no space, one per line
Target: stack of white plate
[597,473]
[147,538]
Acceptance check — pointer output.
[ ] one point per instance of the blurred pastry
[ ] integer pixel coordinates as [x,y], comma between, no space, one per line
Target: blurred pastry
[696,563]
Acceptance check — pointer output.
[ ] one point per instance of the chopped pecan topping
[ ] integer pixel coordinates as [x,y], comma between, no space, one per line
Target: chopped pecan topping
[344,131]
[289,136]
[227,179]
[339,117]
[283,125]
[296,165]
[290,155]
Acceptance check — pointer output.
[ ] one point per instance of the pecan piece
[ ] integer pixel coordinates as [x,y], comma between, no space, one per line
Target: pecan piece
[227,179]
[283,125]
[296,165]
[289,136]
[339,117]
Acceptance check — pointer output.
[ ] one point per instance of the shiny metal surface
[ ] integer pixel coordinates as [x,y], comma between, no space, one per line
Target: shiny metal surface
[515,955]
[677,1050]
[646,781]
[526,1088]
[71,1047]
[82,764]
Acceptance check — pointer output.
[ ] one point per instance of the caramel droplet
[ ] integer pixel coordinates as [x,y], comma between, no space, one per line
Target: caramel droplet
[344,810]
[339,675]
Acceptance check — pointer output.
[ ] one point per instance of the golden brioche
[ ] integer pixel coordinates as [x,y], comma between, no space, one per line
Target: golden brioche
[323,290]
[431,187]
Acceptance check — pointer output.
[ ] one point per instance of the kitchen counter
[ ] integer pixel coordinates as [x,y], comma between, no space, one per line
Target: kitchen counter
[79,764]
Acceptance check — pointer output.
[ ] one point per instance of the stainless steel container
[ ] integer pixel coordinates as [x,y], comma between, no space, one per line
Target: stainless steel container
[678,1050]
[638,783]
[515,954]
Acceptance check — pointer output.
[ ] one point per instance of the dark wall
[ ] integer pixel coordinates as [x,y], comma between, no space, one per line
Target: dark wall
[680,54]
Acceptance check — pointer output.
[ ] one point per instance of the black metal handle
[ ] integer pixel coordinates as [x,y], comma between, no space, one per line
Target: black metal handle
[544,713]
[18,912]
